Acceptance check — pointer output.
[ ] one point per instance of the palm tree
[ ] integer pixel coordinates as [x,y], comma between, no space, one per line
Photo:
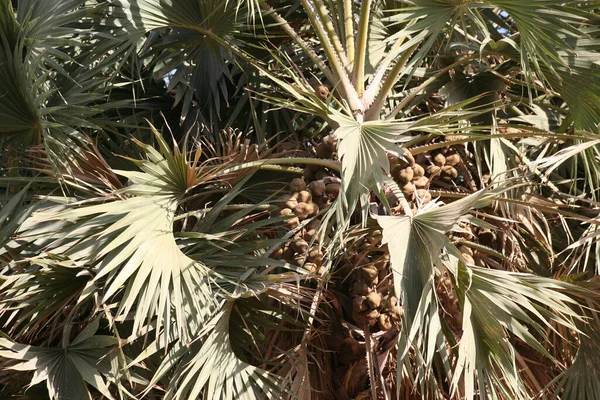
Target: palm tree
[318,200]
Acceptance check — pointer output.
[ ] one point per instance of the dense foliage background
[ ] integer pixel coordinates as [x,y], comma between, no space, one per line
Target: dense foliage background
[314,199]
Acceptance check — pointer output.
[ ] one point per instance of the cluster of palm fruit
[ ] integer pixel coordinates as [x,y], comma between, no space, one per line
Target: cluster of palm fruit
[306,197]
[366,274]
[414,176]
[372,300]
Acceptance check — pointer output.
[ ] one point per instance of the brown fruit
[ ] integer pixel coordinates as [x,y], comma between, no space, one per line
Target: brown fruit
[393,160]
[302,210]
[332,190]
[299,259]
[284,212]
[321,174]
[315,255]
[453,159]
[396,313]
[308,174]
[291,202]
[439,160]
[300,246]
[418,171]
[373,315]
[408,189]
[359,303]
[390,302]
[292,223]
[322,92]
[304,196]
[311,267]
[288,255]
[408,157]
[370,272]
[317,188]
[323,151]
[385,322]
[433,170]
[361,288]
[297,185]
[313,209]
[421,183]
[374,300]
[423,195]
[405,175]
[330,142]
[277,253]
[449,172]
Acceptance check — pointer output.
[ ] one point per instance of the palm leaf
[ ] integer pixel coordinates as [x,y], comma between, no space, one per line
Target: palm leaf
[67,370]
[129,241]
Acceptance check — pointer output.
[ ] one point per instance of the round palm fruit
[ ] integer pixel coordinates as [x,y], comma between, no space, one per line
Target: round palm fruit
[291,202]
[408,189]
[421,183]
[297,185]
[405,175]
[393,160]
[423,195]
[321,174]
[449,172]
[370,273]
[332,190]
[453,159]
[300,246]
[373,315]
[418,171]
[292,223]
[433,170]
[330,142]
[374,300]
[315,255]
[408,157]
[396,313]
[285,212]
[308,174]
[395,170]
[299,259]
[317,188]
[304,196]
[302,210]
[310,267]
[359,303]
[389,302]
[439,160]
[313,209]
[360,288]
[277,253]
[323,151]
[385,322]
[288,255]
[322,92]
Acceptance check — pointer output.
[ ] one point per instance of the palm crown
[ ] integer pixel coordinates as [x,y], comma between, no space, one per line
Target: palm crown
[316,199]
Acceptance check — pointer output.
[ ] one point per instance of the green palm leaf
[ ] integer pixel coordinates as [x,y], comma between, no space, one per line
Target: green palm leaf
[129,241]
[67,370]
